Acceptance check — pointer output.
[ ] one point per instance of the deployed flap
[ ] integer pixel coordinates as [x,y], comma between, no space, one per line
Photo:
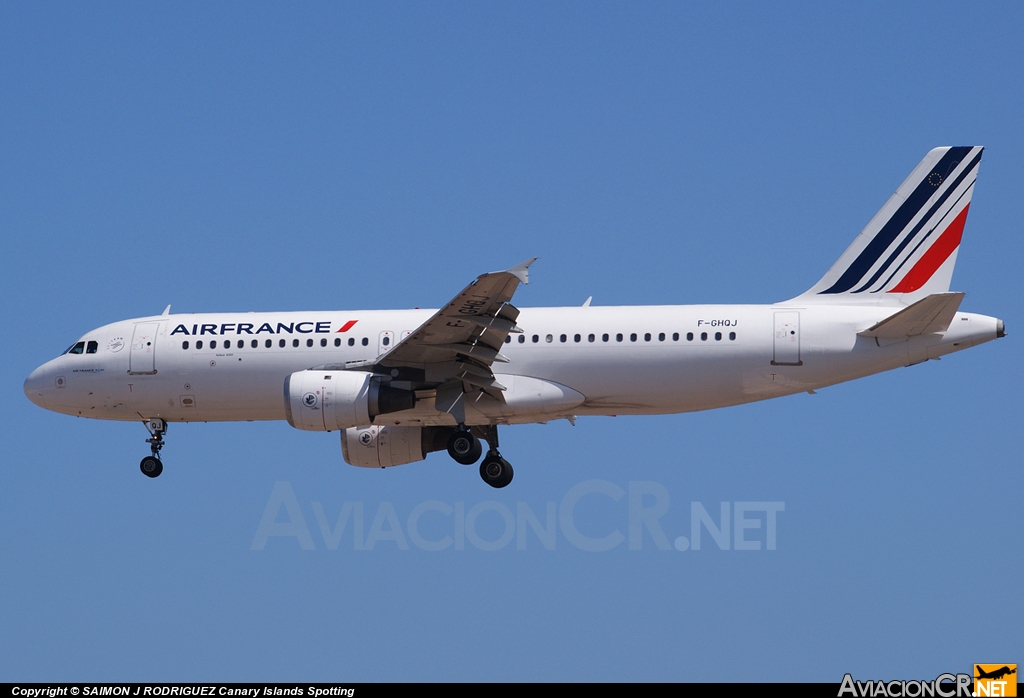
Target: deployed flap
[931,314]
[474,324]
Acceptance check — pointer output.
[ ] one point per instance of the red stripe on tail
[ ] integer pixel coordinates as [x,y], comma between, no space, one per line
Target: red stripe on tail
[934,257]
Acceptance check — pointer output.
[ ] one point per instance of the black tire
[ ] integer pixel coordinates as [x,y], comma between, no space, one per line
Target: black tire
[464,448]
[151,466]
[496,471]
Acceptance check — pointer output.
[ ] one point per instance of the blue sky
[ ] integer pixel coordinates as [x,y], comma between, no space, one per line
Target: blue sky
[350,156]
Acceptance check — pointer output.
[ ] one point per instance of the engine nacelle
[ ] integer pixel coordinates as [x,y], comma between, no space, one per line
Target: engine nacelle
[329,400]
[382,447]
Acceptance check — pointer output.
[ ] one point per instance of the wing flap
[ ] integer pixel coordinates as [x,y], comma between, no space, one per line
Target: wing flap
[472,324]
[456,347]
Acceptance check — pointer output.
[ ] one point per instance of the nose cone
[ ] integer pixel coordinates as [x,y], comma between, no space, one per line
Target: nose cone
[36,385]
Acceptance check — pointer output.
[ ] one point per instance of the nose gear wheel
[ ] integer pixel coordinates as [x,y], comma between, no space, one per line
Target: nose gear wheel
[151,465]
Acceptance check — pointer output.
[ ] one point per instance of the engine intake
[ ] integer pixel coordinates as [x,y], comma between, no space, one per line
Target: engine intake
[331,400]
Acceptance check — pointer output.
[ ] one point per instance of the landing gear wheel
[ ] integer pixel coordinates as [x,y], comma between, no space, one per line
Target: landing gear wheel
[496,471]
[464,448]
[151,466]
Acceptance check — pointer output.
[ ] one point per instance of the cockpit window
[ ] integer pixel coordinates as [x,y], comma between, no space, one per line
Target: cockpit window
[77,348]
[91,347]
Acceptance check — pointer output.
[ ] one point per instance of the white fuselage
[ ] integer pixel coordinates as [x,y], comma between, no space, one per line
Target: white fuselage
[669,359]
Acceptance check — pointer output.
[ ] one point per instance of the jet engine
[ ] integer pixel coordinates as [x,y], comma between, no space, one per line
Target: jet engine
[329,400]
[382,447]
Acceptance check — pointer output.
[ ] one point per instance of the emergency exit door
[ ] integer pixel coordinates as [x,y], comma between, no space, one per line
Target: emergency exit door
[385,341]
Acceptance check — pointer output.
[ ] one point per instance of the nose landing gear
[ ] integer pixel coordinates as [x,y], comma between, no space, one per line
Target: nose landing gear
[151,465]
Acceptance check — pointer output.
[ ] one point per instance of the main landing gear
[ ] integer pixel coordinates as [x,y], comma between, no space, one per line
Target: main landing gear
[151,465]
[464,447]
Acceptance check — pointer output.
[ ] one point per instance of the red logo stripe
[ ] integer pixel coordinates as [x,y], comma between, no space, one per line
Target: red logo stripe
[933,258]
[347,326]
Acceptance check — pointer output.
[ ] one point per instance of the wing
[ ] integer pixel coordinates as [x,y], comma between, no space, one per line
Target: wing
[472,326]
[456,347]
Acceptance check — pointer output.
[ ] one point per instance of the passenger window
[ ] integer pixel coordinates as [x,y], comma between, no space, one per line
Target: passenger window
[632,337]
[309,342]
[213,343]
[184,345]
[703,336]
[647,337]
[387,341]
[618,337]
[536,338]
[337,341]
[295,342]
[718,336]
[281,344]
[562,338]
[269,343]
[365,341]
[675,336]
[522,338]
[604,337]
[323,341]
[508,339]
[77,349]
[661,337]
[732,335]
[91,347]
[227,343]
[351,341]
[689,336]
[255,343]
[591,338]
[199,344]
[576,338]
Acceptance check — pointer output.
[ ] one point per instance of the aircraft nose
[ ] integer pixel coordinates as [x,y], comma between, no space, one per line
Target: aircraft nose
[35,386]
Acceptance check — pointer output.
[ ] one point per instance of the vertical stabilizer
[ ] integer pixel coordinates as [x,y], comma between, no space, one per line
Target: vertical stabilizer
[909,248]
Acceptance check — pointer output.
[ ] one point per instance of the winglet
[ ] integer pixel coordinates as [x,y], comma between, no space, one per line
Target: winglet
[520,271]
[167,310]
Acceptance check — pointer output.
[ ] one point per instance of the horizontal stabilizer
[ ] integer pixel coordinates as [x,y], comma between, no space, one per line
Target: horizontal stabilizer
[933,313]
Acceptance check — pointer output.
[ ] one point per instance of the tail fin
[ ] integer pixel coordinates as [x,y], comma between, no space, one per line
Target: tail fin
[909,248]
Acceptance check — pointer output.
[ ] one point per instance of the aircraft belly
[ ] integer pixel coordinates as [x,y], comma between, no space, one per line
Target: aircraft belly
[658,380]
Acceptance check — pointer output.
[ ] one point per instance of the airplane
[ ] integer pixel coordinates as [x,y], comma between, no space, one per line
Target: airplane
[399,384]
[996,674]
